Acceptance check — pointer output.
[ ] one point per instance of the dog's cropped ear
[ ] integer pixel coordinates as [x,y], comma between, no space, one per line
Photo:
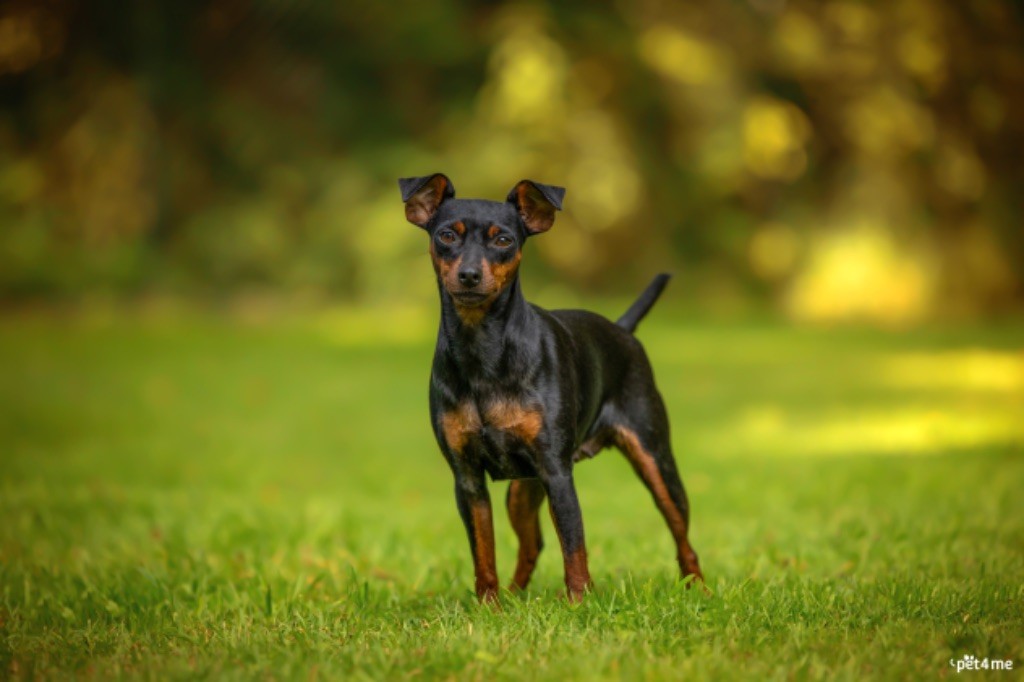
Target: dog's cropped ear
[423,195]
[537,204]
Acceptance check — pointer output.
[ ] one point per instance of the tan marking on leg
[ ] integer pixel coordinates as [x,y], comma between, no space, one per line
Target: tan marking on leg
[646,467]
[459,424]
[484,560]
[577,573]
[523,502]
[506,415]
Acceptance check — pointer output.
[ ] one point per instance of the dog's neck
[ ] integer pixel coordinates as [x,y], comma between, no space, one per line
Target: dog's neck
[483,334]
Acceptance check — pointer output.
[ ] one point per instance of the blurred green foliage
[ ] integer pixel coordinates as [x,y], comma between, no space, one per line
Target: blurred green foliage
[835,159]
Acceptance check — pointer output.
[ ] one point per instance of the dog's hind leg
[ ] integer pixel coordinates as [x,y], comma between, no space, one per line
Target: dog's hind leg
[651,457]
[523,501]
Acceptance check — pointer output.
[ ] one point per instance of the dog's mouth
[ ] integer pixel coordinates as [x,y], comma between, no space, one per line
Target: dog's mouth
[470,299]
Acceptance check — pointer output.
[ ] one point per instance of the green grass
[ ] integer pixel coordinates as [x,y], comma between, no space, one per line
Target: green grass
[197,498]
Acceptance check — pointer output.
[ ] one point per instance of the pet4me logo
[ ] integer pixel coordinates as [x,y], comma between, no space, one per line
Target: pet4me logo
[969,662]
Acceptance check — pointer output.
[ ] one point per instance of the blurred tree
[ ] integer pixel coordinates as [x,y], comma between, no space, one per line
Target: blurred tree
[839,159]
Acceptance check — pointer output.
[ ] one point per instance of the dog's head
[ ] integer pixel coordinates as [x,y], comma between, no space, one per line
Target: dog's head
[476,245]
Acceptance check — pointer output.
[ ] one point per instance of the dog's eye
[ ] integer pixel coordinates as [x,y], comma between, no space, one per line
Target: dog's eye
[447,237]
[503,241]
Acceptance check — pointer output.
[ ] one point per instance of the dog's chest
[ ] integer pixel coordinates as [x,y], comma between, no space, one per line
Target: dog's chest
[500,432]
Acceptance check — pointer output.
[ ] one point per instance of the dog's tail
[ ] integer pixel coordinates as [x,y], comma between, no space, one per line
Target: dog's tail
[631,318]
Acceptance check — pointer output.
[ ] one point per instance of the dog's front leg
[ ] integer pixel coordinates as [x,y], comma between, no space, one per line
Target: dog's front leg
[475,508]
[568,519]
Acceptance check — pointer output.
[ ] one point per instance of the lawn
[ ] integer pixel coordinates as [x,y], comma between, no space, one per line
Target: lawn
[185,496]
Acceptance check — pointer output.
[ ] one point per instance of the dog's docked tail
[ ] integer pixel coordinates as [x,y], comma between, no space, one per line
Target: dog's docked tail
[631,318]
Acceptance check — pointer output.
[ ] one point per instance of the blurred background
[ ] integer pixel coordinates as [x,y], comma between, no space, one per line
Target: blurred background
[822,160]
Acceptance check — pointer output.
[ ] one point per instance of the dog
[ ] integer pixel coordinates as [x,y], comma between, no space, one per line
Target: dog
[522,393]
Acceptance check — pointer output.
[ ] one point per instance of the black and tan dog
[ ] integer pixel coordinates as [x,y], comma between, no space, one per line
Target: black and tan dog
[523,393]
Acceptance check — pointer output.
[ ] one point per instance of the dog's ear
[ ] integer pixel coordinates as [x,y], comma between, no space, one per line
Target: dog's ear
[537,204]
[423,195]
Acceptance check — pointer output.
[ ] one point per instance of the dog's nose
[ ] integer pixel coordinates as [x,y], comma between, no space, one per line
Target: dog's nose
[469,277]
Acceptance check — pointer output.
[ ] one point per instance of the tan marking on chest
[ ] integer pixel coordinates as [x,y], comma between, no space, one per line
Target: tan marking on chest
[512,417]
[471,317]
[459,424]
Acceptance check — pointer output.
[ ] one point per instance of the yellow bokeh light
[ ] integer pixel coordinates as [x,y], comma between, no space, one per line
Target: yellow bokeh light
[911,430]
[528,74]
[605,186]
[972,369]
[799,39]
[680,55]
[860,273]
[774,134]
